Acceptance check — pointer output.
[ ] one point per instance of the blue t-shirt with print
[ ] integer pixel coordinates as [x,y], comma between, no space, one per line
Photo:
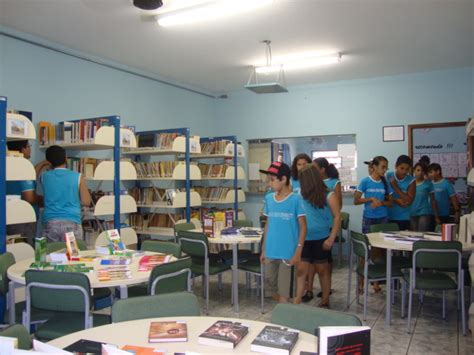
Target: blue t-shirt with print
[443,190]
[283,229]
[421,205]
[372,188]
[318,220]
[396,212]
[296,186]
[331,183]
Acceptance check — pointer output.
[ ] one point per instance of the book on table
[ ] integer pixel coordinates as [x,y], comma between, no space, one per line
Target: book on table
[115,241]
[224,334]
[142,350]
[344,340]
[71,246]
[275,340]
[118,272]
[148,262]
[170,331]
[115,261]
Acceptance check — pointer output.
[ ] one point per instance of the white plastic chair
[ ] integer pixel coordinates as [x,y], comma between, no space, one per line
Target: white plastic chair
[127,235]
[21,251]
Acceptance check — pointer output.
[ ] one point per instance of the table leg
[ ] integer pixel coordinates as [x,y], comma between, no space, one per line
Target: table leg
[11,302]
[235,278]
[123,292]
[388,302]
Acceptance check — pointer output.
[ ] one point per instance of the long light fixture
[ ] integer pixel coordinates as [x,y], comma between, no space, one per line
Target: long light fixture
[209,11]
[297,61]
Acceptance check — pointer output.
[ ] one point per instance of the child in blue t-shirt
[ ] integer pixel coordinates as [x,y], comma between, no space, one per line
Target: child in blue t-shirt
[404,189]
[423,207]
[64,193]
[285,232]
[331,177]
[376,191]
[299,162]
[444,194]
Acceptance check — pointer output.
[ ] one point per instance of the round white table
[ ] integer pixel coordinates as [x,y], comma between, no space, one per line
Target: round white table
[234,241]
[16,275]
[136,333]
[377,240]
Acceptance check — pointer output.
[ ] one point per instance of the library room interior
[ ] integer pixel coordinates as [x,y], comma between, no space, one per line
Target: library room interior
[237,177]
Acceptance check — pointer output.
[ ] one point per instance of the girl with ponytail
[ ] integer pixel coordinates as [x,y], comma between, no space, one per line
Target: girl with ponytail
[330,176]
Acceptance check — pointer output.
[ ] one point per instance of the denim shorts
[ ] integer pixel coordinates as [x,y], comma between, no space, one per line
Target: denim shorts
[55,229]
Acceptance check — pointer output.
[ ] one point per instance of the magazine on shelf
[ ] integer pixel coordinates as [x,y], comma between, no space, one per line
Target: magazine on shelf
[170,331]
[344,340]
[275,340]
[224,334]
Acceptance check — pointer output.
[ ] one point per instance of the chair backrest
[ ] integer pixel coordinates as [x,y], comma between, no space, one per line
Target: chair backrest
[360,244]
[162,247]
[102,240]
[238,223]
[45,295]
[18,331]
[178,304]
[179,227]
[128,236]
[308,319]
[437,255]
[171,277]
[384,227]
[345,217]
[6,260]
[55,246]
[194,244]
[21,251]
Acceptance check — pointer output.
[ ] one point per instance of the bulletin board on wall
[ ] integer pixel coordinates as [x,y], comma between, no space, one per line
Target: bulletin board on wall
[445,144]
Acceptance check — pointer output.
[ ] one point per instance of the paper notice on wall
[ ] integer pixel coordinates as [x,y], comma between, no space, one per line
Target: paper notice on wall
[346,150]
[254,173]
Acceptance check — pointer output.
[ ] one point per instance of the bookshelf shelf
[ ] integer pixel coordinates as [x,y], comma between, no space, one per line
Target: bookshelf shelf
[20,169]
[104,139]
[105,205]
[179,173]
[179,201]
[178,147]
[105,171]
[229,199]
[228,153]
[19,211]
[229,174]
[19,127]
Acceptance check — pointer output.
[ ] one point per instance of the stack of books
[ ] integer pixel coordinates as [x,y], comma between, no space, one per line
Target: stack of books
[114,272]
[148,262]
[213,194]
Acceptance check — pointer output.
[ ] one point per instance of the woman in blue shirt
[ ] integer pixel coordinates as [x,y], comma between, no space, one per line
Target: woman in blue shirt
[323,218]
[330,177]
[424,204]
[404,189]
[298,163]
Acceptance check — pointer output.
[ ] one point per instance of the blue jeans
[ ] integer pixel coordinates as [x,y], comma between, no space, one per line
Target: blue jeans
[367,222]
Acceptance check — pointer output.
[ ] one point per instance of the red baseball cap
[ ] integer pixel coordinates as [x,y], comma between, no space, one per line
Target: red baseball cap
[278,169]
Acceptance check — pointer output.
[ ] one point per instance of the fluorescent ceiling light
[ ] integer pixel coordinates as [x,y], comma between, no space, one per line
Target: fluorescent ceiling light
[299,61]
[209,11]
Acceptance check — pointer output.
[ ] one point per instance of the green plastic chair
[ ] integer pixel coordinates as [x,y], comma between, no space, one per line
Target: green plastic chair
[308,319]
[181,227]
[18,331]
[370,272]
[171,277]
[384,227]
[162,247]
[179,304]
[239,223]
[255,267]
[67,293]
[203,263]
[432,261]
[55,246]
[345,218]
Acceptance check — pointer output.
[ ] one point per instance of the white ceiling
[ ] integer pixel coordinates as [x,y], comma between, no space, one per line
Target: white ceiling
[376,37]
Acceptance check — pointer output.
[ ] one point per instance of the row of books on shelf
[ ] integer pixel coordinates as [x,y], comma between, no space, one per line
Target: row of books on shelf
[214,147]
[153,220]
[158,169]
[85,166]
[213,194]
[153,195]
[156,140]
[213,170]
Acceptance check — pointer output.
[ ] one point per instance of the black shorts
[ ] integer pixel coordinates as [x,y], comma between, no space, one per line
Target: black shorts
[313,252]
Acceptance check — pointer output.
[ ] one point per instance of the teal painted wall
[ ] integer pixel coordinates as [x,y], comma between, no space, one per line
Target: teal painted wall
[360,107]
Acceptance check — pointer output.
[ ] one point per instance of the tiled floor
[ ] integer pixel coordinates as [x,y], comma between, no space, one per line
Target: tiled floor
[430,333]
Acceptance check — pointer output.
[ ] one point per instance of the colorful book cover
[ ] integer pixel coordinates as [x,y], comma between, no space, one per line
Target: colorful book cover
[275,340]
[224,333]
[148,262]
[114,240]
[71,246]
[344,340]
[162,332]
[141,350]
[116,261]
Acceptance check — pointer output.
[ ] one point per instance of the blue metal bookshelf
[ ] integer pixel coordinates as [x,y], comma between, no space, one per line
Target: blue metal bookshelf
[3,169]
